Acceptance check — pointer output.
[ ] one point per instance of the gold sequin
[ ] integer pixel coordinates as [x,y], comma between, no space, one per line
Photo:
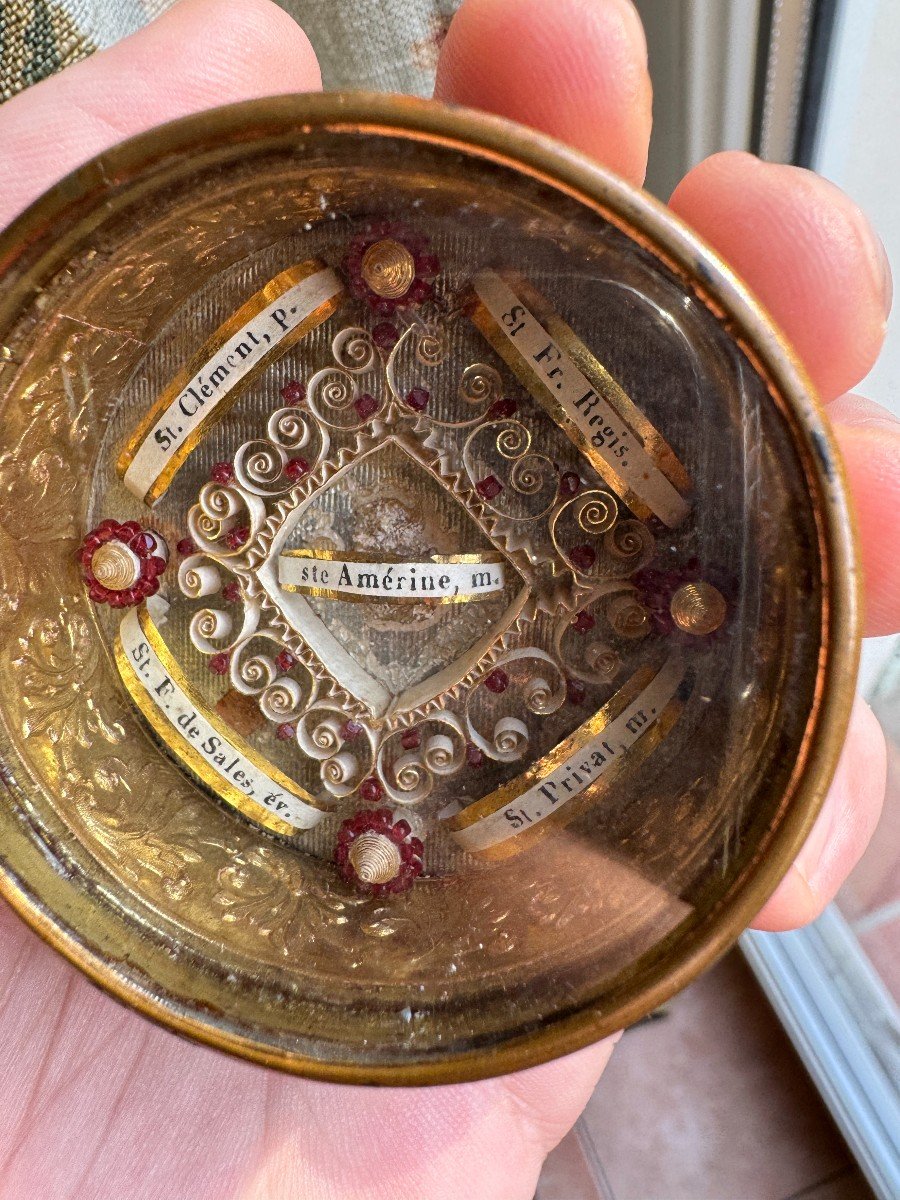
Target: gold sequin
[374,858]
[698,608]
[115,566]
[388,269]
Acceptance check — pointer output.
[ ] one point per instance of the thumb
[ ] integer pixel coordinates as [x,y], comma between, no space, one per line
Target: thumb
[199,54]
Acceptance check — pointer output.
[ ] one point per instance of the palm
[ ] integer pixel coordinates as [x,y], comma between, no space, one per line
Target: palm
[108,1105]
[104,1104]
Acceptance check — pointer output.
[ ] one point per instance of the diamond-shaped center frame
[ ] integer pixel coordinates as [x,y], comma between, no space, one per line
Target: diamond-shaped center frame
[296,612]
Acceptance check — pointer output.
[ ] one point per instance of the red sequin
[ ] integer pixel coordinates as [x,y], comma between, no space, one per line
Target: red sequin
[569,483]
[401,831]
[497,681]
[474,755]
[489,487]
[583,557]
[420,290]
[385,335]
[583,622]
[384,306]
[222,472]
[427,265]
[285,661]
[366,406]
[417,398]
[296,468]
[371,790]
[236,538]
[501,409]
[293,392]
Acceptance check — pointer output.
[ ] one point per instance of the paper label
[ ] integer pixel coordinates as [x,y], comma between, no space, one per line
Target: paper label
[282,312]
[443,580]
[589,419]
[218,755]
[581,766]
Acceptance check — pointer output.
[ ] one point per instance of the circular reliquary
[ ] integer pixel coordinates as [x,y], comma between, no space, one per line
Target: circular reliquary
[427,629]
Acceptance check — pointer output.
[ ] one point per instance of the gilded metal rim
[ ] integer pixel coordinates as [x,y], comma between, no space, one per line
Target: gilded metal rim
[39,243]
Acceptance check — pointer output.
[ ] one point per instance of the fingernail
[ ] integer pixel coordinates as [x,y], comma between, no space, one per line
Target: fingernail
[869,241]
[630,12]
[887,275]
[875,251]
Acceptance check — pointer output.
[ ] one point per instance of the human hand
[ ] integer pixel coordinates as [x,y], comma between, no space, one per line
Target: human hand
[103,1104]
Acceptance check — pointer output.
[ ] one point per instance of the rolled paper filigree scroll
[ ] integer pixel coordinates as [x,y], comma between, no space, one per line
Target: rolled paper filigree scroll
[621,734]
[580,394]
[199,739]
[506,640]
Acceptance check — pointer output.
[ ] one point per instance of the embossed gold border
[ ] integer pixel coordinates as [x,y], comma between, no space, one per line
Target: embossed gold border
[42,240]
[182,750]
[267,294]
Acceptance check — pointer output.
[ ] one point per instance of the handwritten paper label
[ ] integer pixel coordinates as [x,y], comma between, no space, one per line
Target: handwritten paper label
[442,580]
[281,313]
[605,437]
[579,766]
[215,753]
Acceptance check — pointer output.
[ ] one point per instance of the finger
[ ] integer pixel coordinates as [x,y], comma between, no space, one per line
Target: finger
[869,437]
[199,54]
[841,832]
[576,69]
[805,249]
[102,1102]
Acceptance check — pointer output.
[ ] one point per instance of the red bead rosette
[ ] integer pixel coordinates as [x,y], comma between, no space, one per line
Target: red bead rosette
[121,563]
[389,267]
[377,854]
